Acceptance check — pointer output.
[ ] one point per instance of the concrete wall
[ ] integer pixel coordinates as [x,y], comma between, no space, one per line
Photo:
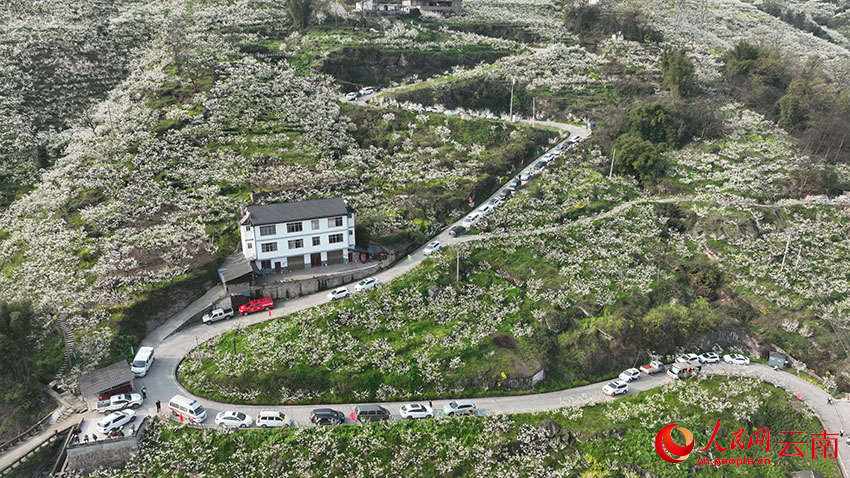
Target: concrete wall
[110,452]
[291,290]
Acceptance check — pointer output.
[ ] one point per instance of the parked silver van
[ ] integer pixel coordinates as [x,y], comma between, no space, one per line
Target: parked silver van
[371,413]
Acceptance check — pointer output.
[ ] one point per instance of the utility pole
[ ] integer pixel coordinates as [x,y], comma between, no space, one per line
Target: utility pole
[787,245]
[533,108]
[511,115]
[612,163]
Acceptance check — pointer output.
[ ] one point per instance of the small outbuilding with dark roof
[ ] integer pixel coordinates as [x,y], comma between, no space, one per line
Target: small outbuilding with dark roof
[105,382]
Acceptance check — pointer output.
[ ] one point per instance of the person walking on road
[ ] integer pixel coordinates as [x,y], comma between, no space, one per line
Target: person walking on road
[158,407]
[144,392]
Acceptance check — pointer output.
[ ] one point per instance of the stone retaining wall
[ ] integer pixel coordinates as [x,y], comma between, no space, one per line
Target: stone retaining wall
[291,290]
[109,452]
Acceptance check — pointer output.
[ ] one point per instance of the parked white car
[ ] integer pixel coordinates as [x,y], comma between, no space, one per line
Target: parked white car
[736,359]
[459,407]
[351,96]
[485,209]
[366,91]
[115,420]
[432,247]
[526,176]
[617,387]
[416,410]
[688,358]
[272,419]
[709,357]
[233,419]
[629,375]
[119,402]
[494,203]
[338,293]
[366,284]
[470,220]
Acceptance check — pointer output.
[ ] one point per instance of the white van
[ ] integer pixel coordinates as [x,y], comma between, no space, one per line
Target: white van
[142,362]
[183,409]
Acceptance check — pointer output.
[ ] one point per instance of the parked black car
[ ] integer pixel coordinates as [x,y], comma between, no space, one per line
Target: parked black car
[505,194]
[326,416]
[457,231]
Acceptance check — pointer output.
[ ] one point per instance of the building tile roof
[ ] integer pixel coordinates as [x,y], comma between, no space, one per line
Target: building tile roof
[295,211]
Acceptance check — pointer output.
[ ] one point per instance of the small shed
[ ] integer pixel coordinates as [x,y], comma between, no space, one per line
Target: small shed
[236,273]
[105,382]
[777,359]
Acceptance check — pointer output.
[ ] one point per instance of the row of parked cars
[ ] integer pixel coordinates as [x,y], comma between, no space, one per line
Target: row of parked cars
[683,366]
[362,286]
[470,220]
[329,416]
[365,91]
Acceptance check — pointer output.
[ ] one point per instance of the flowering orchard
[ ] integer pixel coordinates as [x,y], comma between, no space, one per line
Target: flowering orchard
[612,439]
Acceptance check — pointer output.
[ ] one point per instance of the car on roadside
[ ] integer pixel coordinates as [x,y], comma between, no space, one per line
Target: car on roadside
[456,231]
[338,293]
[505,194]
[494,203]
[432,247]
[617,387]
[709,357]
[471,220]
[493,117]
[687,358]
[538,166]
[366,91]
[526,176]
[484,210]
[630,374]
[431,109]
[459,407]
[272,419]
[326,416]
[367,283]
[548,156]
[416,410]
[120,402]
[215,315]
[736,359]
[514,184]
[232,419]
[653,367]
[115,420]
[256,305]
[352,96]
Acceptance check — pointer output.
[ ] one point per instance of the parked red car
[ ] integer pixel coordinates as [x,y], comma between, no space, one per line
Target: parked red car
[256,305]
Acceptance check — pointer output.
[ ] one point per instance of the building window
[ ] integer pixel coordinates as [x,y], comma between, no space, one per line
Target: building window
[315,224]
[247,228]
[269,247]
[265,264]
[293,227]
[335,221]
[250,245]
[350,232]
[268,230]
[334,238]
[317,241]
[296,243]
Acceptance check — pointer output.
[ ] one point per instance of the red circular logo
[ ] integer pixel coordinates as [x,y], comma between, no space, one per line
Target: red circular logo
[664,440]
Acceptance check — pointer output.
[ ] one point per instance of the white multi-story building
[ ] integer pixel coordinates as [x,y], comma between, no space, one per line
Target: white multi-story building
[293,236]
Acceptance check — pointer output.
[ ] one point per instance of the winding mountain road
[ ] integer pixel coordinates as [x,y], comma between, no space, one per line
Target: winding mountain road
[172,345]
